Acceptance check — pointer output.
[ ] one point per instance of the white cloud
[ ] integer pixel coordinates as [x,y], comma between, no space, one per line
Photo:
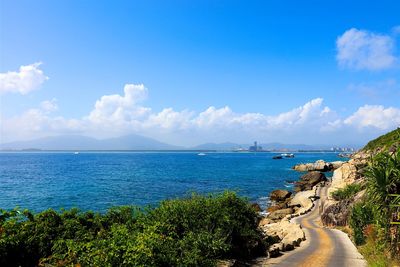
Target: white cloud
[38,122]
[49,105]
[375,116]
[27,79]
[168,119]
[115,115]
[360,49]
[117,108]
[310,112]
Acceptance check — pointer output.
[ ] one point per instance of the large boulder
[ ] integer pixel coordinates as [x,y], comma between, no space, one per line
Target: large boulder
[343,176]
[288,234]
[279,206]
[279,195]
[279,214]
[322,166]
[319,165]
[337,214]
[313,177]
[309,180]
[302,200]
[337,164]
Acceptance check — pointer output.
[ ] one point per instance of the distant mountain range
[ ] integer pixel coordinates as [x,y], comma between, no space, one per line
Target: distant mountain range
[135,142]
[77,142]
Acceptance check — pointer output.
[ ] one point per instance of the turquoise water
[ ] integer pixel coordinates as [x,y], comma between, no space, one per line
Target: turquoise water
[99,180]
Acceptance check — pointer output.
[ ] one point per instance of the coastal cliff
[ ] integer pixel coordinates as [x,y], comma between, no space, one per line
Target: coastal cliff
[364,200]
[283,233]
[361,199]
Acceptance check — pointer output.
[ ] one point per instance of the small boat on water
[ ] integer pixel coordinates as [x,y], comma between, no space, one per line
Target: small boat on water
[76,153]
[201,154]
[287,155]
[277,157]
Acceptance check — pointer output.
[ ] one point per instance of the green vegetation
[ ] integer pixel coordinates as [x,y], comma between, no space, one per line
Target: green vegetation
[371,220]
[347,192]
[375,252]
[195,231]
[361,216]
[384,142]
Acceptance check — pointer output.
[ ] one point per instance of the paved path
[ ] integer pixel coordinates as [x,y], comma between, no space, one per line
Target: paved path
[323,246]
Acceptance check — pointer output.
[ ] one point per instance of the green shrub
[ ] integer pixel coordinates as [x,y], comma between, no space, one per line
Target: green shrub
[382,184]
[361,215]
[195,231]
[347,192]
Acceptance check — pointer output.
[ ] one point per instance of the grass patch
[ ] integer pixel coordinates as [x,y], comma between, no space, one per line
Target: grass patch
[375,252]
[347,192]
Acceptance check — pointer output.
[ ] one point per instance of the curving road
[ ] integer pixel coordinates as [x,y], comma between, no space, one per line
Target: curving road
[323,246]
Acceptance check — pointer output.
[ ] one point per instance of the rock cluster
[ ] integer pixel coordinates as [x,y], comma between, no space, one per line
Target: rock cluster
[309,180]
[319,165]
[279,195]
[336,213]
[284,234]
[280,207]
[289,235]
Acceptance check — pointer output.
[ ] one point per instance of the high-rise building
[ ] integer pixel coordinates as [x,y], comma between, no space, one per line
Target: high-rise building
[255,148]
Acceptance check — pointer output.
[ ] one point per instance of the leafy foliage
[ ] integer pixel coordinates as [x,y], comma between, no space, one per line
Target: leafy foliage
[383,179]
[384,142]
[370,220]
[361,216]
[187,232]
[347,192]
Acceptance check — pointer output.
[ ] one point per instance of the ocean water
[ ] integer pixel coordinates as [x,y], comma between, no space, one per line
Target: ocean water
[98,180]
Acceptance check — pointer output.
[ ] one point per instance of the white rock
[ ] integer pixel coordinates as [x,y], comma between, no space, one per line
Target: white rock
[342,177]
[303,199]
[289,233]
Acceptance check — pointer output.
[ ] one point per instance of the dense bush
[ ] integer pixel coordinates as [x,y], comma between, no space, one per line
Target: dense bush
[361,216]
[188,232]
[371,220]
[347,192]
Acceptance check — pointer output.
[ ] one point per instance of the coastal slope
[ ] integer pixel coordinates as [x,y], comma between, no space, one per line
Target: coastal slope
[322,247]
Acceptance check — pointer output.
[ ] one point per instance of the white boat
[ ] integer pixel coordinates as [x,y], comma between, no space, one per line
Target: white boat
[201,154]
[76,153]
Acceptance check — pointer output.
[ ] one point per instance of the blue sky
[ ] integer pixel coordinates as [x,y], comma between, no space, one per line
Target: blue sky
[253,57]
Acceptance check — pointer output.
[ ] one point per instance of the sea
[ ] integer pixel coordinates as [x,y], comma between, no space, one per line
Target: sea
[100,180]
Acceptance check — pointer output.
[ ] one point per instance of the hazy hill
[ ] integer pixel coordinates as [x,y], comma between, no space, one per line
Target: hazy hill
[77,142]
[385,141]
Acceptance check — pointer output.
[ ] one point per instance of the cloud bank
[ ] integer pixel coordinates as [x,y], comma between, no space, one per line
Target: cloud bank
[27,79]
[114,115]
[364,50]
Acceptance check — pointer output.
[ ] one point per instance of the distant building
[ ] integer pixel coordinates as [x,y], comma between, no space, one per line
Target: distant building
[255,148]
[343,149]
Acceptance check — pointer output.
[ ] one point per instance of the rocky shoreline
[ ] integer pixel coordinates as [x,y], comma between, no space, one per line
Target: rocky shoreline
[284,234]
[336,212]
[277,225]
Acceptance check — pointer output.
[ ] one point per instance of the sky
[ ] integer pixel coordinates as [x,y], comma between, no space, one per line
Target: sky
[190,72]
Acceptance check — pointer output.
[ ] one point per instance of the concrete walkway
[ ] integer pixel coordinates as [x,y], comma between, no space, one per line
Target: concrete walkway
[323,246]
